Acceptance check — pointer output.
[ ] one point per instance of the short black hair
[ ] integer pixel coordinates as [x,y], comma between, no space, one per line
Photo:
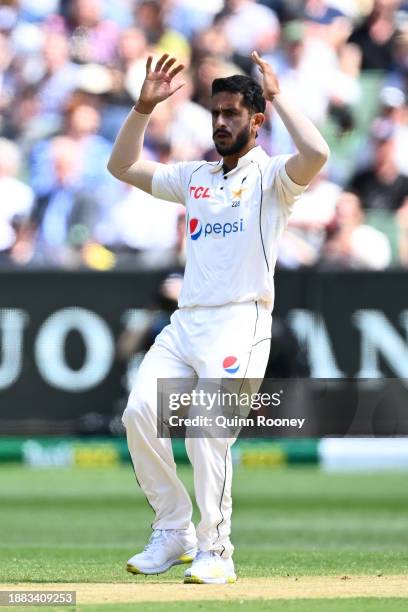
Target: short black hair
[252,93]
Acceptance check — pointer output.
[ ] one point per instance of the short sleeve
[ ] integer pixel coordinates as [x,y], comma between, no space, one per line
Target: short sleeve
[276,178]
[170,181]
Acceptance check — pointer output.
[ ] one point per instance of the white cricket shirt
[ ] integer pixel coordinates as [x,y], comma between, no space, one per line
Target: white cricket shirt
[234,222]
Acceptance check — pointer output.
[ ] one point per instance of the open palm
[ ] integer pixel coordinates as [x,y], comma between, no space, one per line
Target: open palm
[159,83]
[270,82]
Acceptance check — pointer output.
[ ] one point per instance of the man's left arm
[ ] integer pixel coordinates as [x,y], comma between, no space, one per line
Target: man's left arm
[313,151]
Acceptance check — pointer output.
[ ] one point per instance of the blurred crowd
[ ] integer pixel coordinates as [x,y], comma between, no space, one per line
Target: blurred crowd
[70,70]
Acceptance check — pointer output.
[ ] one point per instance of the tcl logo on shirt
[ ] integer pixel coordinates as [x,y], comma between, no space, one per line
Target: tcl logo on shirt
[200,192]
[220,230]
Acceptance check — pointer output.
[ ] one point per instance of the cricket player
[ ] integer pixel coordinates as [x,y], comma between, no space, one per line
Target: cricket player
[237,209]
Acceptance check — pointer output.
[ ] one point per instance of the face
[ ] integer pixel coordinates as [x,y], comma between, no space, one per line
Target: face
[384,151]
[88,12]
[85,120]
[233,125]
[348,209]
[132,44]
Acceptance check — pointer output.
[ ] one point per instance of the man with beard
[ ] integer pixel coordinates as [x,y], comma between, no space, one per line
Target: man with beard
[237,209]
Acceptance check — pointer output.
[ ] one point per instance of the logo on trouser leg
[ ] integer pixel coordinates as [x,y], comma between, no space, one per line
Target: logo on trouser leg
[231,364]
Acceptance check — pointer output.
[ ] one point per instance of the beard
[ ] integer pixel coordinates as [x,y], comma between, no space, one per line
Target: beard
[239,143]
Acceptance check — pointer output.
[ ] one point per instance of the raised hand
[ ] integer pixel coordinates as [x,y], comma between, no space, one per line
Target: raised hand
[270,82]
[159,83]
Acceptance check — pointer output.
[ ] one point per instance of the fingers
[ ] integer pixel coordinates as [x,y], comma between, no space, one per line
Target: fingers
[175,71]
[164,64]
[161,61]
[257,59]
[168,64]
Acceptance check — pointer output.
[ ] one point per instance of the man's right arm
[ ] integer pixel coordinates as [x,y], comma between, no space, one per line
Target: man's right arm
[125,163]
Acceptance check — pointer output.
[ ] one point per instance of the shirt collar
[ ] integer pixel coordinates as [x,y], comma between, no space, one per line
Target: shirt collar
[253,154]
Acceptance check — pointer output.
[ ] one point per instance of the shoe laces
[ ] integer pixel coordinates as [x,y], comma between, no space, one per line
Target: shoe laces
[156,539]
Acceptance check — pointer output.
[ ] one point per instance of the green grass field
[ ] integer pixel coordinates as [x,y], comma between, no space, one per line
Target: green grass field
[81,525]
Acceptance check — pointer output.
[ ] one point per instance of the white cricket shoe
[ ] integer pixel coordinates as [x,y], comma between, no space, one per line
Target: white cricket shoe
[166,547]
[210,568]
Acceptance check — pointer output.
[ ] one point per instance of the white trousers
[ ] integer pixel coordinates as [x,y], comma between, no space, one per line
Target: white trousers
[195,345]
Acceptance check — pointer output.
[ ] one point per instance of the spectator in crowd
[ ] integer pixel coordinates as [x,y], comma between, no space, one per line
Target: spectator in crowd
[294,68]
[136,236]
[393,117]
[376,35]
[43,82]
[16,197]
[248,25]
[327,31]
[7,79]
[132,52]
[321,12]
[81,124]
[334,86]
[398,71]
[58,80]
[211,42]
[134,230]
[344,83]
[63,207]
[381,186]
[92,38]
[190,17]
[304,238]
[352,244]
[34,11]
[150,16]
[205,71]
